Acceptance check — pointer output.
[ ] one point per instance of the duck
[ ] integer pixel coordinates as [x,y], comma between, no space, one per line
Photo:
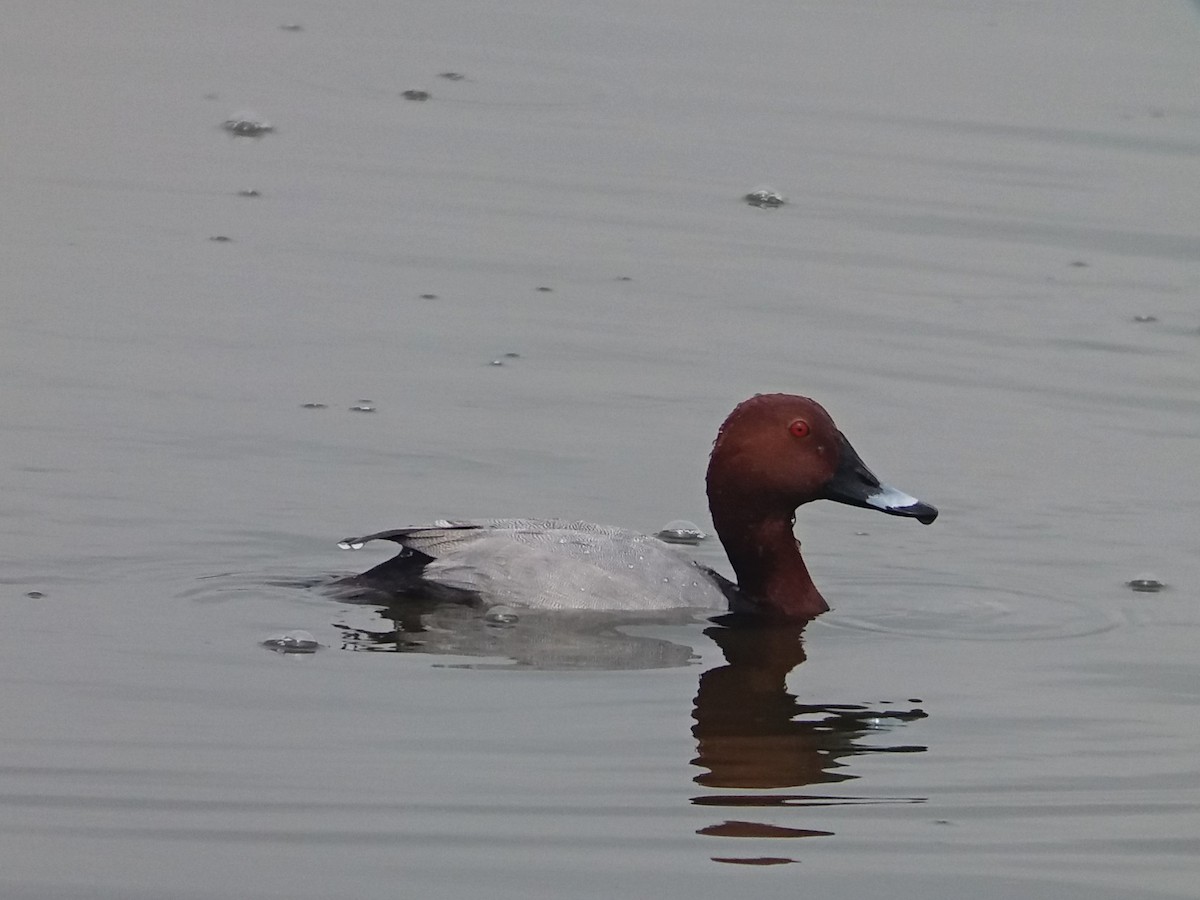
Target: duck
[772,454]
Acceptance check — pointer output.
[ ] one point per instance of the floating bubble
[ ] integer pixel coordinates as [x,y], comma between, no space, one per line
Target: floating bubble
[291,26]
[415,95]
[501,615]
[1145,584]
[245,126]
[35,595]
[298,641]
[765,198]
[313,406]
[352,544]
[1144,319]
[451,76]
[221,239]
[249,192]
[363,406]
[681,531]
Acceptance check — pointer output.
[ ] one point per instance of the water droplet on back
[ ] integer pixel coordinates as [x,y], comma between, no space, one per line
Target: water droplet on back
[501,615]
[681,531]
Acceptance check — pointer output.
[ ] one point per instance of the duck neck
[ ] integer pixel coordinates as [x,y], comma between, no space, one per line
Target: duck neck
[766,556]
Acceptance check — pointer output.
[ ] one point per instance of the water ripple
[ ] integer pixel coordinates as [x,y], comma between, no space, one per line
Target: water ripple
[971,613]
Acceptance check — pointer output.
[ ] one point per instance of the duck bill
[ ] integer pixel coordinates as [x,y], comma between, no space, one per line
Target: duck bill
[856,485]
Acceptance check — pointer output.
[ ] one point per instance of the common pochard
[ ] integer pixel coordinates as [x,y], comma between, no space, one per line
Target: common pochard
[773,453]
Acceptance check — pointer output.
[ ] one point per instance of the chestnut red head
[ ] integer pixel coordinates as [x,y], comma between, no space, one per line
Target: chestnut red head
[775,452]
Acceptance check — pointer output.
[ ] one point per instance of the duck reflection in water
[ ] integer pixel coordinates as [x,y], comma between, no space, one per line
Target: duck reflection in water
[753,735]
[531,639]
[755,742]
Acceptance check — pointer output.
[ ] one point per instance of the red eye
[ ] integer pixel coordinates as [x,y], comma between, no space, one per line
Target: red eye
[799,428]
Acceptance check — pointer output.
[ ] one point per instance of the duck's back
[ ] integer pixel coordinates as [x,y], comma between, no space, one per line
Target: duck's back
[554,564]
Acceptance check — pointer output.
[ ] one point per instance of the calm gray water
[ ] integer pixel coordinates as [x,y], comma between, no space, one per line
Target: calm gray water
[987,270]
